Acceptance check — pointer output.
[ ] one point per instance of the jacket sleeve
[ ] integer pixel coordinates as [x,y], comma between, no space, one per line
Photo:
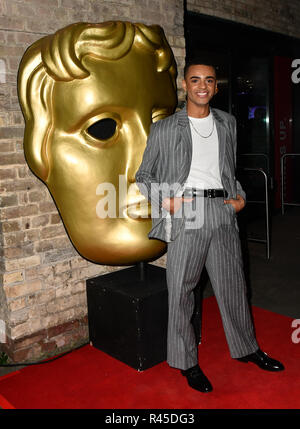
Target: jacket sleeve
[146,176]
[238,185]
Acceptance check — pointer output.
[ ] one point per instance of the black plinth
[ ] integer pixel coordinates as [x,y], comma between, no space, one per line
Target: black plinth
[128,315]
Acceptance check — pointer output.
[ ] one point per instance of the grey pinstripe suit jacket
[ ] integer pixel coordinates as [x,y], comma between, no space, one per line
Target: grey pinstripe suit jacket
[167,159]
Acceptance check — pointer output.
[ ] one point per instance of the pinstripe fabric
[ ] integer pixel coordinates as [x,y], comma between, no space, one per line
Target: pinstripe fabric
[167,160]
[213,242]
[216,246]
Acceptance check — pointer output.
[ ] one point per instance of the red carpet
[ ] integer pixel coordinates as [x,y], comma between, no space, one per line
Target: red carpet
[89,379]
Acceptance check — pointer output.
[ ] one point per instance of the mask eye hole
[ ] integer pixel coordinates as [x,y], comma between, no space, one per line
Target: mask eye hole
[103,129]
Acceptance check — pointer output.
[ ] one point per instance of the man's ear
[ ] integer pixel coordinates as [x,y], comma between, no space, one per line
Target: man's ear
[184,85]
[216,90]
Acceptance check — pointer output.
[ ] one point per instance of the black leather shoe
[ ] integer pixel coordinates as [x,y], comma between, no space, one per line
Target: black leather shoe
[197,380]
[262,360]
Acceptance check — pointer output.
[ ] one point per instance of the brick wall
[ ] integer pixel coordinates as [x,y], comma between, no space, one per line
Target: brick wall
[282,16]
[42,291]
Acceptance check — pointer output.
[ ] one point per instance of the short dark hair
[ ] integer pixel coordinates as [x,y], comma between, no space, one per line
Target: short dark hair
[198,61]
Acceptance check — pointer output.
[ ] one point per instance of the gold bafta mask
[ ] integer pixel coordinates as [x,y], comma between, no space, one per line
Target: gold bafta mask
[88,94]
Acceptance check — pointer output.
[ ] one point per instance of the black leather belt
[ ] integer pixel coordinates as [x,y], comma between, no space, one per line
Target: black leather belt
[209,193]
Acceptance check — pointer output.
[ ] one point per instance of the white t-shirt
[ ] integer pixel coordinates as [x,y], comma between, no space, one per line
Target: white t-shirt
[205,170]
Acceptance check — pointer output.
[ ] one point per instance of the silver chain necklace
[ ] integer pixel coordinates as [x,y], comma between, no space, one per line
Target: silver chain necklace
[204,137]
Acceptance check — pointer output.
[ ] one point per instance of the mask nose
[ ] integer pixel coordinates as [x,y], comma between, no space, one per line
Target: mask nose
[135,149]
[134,162]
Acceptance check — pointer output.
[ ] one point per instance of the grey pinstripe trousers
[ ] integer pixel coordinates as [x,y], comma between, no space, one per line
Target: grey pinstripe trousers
[215,245]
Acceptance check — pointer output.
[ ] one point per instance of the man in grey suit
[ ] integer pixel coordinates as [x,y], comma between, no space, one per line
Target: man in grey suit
[188,175]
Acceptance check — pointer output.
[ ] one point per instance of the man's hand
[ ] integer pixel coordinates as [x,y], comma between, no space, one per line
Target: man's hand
[172,205]
[238,203]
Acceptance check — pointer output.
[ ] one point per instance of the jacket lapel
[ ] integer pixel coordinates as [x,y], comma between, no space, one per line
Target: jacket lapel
[186,137]
[221,130]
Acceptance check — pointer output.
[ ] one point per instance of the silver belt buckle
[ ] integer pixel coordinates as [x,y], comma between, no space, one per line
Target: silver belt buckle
[211,193]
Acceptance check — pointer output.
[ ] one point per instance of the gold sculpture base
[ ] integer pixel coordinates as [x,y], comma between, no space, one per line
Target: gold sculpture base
[128,314]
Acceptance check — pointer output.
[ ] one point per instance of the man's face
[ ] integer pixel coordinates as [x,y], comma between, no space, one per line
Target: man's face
[127,95]
[200,84]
